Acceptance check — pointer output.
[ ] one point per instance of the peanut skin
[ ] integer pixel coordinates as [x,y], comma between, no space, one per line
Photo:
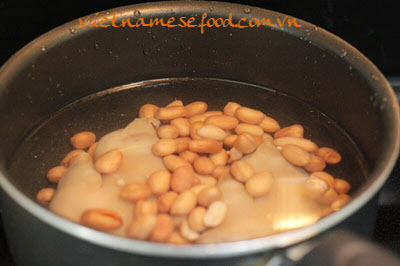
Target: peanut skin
[109,162]
[329,155]
[83,140]
[296,155]
[101,219]
[296,131]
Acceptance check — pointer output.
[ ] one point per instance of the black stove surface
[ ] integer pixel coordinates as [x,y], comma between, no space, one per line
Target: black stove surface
[372,26]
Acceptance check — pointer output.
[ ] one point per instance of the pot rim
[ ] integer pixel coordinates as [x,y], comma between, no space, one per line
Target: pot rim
[321,38]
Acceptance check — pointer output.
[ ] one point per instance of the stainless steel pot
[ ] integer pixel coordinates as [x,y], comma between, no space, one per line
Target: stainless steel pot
[306,64]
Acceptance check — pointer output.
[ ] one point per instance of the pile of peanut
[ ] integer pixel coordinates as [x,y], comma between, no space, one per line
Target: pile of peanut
[178,204]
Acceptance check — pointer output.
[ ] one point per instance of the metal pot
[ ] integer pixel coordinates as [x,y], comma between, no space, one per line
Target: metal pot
[304,68]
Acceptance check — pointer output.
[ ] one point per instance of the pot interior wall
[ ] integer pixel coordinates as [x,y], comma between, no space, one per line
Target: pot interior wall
[73,62]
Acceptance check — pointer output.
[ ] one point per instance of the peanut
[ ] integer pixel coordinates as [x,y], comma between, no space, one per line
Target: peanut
[148,111]
[195,219]
[326,211]
[196,181]
[341,186]
[208,195]
[269,125]
[177,239]
[184,203]
[295,155]
[167,132]
[220,158]
[267,137]
[145,207]
[325,176]
[215,214]
[246,143]
[69,158]
[54,174]
[159,182]
[196,108]
[182,144]
[141,226]
[259,139]
[305,144]
[165,201]
[45,195]
[164,147]
[101,219]
[203,166]
[205,146]
[229,140]
[230,108]
[175,103]
[170,113]
[254,130]
[183,126]
[194,128]
[234,155]
[211,132]
[163,229]
[329,155]
[212,113]
[134,192]
[182,179]
[189,156]
[218,171]
[83,140]
[178,220]
[339,202]
[208,181]
[198,188]
[188,233]
[172,162]
[260,184]
[108,162]
[92,149]
[197,118]
[249,116]
[329,196]
[316,164]
[242,170]
[296,131]
[225,122]
[316,187]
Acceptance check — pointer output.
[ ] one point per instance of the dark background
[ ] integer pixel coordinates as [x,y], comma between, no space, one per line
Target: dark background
[372,26]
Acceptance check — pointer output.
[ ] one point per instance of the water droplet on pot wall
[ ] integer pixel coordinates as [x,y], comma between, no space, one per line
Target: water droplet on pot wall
[146,51]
